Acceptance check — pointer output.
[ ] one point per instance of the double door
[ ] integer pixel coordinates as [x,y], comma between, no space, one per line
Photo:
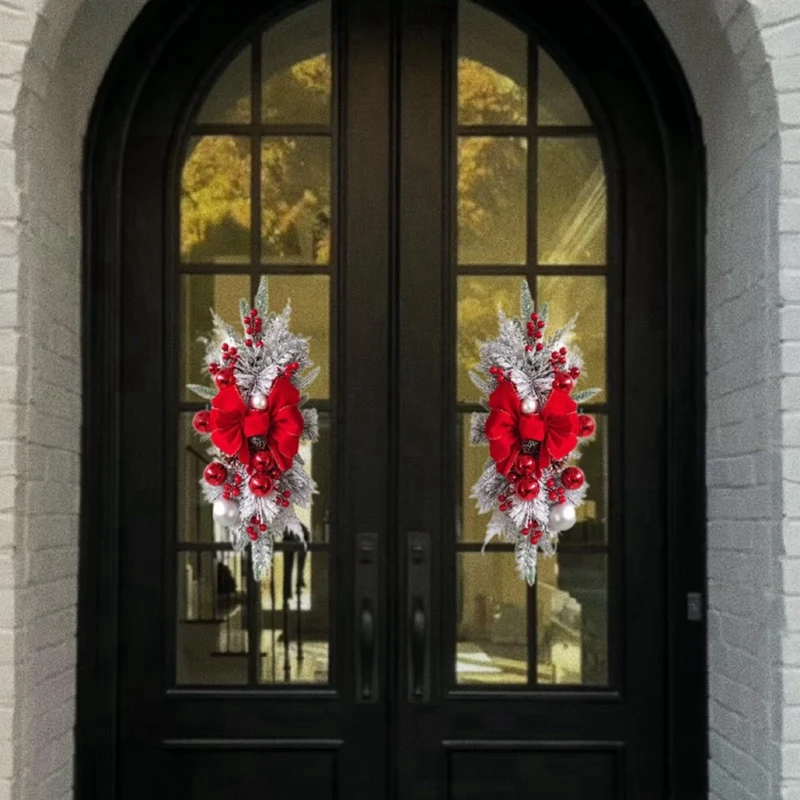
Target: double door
[396,171]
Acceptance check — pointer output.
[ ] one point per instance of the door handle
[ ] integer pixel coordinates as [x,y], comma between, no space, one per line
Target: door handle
[367,645]
[419,603]
[367,614]
[419,630]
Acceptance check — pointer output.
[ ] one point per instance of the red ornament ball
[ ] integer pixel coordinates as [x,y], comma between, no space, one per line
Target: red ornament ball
[572,478]
[260,485]
[215,474]
[525,464]
[224,378]
[563,382]
[528,489]
[201,421]
[586,425]
[262,461]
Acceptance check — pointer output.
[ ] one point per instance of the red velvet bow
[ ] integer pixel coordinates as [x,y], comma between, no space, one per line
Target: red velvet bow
[556,427]
[281,423]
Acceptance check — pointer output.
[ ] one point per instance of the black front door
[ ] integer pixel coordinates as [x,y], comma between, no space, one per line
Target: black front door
[396,170]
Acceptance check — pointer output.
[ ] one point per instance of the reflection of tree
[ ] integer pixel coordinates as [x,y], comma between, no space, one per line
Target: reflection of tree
[215,190]
[478,301]
[486,97]
[300,93]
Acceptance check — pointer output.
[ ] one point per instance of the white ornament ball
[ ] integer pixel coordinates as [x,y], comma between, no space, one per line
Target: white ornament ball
[562,516]
[226,512]
[259,401]
[530,405]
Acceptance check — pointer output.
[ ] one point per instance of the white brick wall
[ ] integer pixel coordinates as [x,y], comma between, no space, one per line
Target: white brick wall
[742,59]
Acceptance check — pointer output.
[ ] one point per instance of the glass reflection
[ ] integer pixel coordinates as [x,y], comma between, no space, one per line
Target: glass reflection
[295,611]
[296,199]
[297,68]
[559,103]
[492,69]
[212,642]
[492,200]
[310,299]
[229,99]
[566,296]
[478,300]
[492,641]
[572,202]
[572,619]
[198,294]
[215,200]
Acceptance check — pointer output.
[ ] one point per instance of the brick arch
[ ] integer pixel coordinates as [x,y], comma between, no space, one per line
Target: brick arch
[53,55]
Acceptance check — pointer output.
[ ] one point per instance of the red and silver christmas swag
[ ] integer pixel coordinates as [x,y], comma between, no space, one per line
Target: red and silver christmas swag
[255,425]
[533,429]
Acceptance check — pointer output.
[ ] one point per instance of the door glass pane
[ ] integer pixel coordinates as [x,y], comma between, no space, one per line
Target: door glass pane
[491,602]
[295,644]
[211,645]
[199,294]
[572,202]
[310,299]
[229,99]
[567,296]
[492,69]
[492,199]
[472,527]
[592,526]
[195,521]
[296,199]
[478,301]
[215,200]
[572,619]
[297,68]
[559,103]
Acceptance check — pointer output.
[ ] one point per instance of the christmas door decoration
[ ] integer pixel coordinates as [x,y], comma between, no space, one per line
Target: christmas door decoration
[533,430]
[254,427]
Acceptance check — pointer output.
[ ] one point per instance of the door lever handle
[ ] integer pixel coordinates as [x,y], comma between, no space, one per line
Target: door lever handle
[366,617]
[367,645]
[419,624]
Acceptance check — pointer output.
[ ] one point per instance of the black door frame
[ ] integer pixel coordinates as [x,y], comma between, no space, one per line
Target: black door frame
[145,47]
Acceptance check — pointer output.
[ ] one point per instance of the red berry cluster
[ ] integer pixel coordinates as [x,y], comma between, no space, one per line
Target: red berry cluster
[535,331]
[556,493]
[498,373]
[232,488]
[505,503]
[533,531]
[253,325]
[254,527]
[290,369]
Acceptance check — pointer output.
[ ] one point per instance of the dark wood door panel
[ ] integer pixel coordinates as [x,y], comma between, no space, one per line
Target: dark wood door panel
[552,772]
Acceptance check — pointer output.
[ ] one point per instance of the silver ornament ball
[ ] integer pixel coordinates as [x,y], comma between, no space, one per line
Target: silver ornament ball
[562,516]
[259,401]
[530,405]
[226,512]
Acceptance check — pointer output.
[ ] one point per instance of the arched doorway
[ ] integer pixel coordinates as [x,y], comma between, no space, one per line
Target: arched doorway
[395,169]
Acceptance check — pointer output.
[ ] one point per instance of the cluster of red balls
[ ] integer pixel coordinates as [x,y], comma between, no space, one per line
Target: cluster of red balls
[263,469]
[252,327]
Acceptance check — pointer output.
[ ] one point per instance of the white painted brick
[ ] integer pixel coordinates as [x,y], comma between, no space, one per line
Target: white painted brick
[786,73]
[789,108]
[783,39]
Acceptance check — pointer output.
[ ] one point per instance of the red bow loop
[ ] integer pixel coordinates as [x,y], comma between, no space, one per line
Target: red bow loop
[281,423]
[507,428]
